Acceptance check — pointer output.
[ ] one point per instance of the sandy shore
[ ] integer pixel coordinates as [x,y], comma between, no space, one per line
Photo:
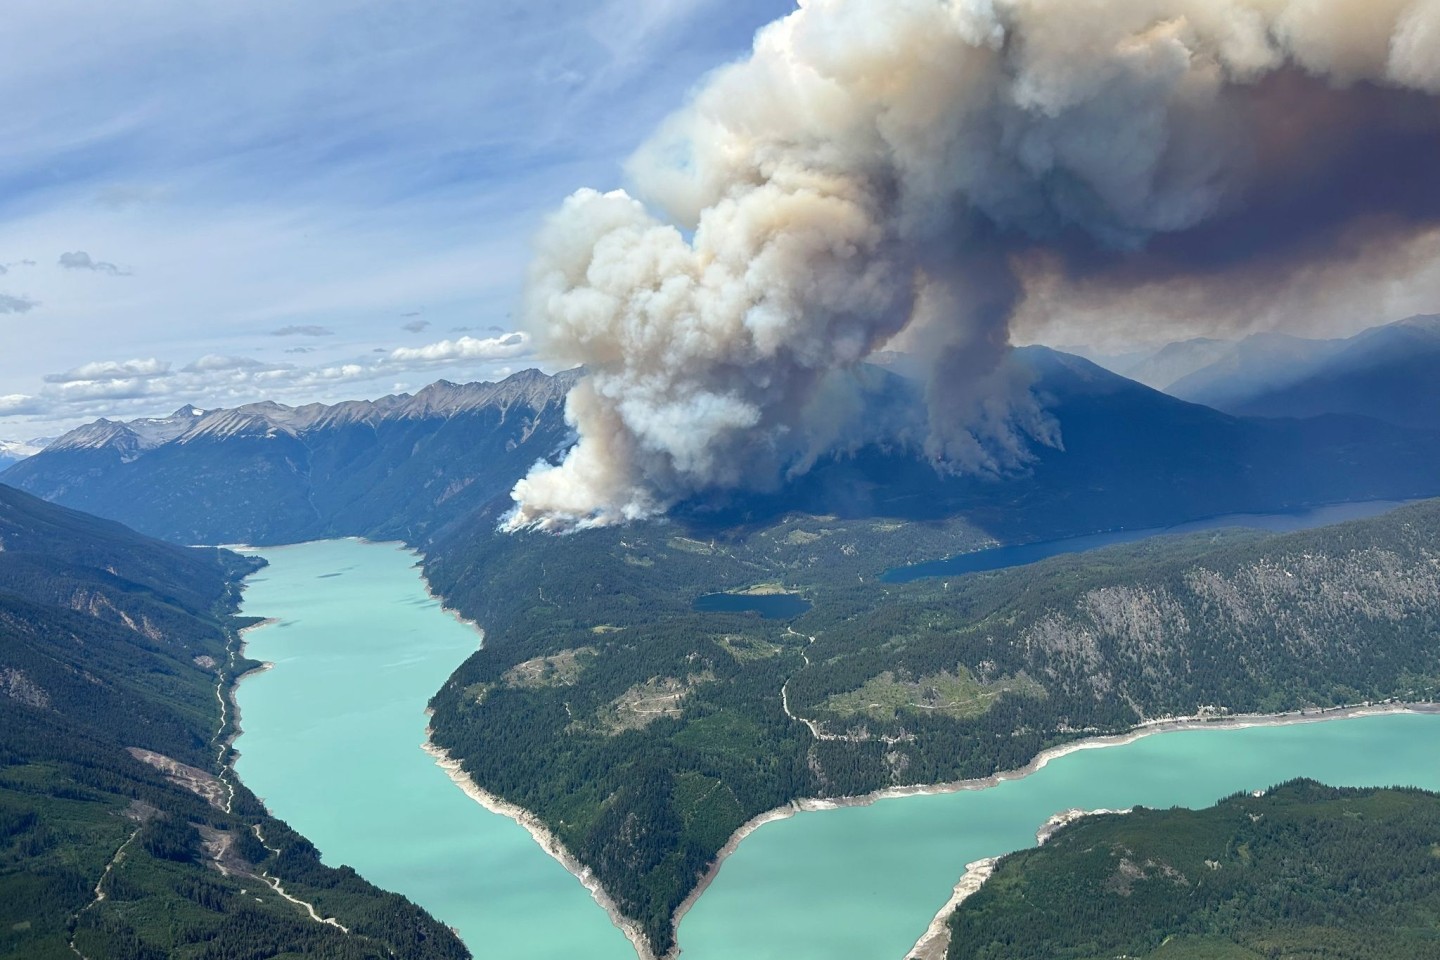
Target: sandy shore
[547,841]
[934,944]
[234,712]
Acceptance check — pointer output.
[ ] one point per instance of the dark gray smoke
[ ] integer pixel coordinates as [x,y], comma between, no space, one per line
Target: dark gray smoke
[922,172]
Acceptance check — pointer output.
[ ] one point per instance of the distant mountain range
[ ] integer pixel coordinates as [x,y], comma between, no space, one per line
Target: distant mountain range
[1391,373]
[406,467]
[1158,368]
[397,467]
[13,451]
[1131,456]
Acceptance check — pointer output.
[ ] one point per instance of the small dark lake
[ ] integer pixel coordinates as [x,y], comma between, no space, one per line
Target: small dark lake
[771,606]
[999,558]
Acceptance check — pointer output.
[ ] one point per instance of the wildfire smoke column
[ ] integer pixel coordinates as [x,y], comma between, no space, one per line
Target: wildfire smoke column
[917,171]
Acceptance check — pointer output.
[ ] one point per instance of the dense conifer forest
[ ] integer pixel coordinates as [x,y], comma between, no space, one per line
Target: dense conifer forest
[1305,871]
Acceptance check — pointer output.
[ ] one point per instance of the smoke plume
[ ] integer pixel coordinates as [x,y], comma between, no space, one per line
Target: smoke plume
[917,171]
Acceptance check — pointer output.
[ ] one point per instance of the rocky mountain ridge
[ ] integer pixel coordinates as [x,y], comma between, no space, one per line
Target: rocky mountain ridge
[528,389]
[398,467]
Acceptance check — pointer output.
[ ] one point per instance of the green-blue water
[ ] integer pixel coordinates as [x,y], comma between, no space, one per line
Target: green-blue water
[332,739]
[1000,558]
[867,879]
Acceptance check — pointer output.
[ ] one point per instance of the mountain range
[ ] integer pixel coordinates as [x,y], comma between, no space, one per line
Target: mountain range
[1388,373]
[398,467]
[407,467]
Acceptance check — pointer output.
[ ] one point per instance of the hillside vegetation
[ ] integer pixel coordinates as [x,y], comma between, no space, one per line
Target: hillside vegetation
[1303,872]
[121,834]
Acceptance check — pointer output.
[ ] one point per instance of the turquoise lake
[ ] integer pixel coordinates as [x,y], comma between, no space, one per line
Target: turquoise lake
[1015,555]
[332,741]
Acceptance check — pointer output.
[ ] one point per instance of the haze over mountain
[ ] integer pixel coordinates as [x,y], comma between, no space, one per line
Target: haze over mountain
[13,451]
[1128,456]
[1391,373]
[1162,367]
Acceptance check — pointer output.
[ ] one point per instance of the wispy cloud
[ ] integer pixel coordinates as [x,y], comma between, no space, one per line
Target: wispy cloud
[112,370]
[417,326]
[9,304]
[80,260]
[303,330]
[507,347]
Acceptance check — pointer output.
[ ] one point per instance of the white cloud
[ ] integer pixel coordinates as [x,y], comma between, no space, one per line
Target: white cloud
[465,348]
[111,370]
[216,363]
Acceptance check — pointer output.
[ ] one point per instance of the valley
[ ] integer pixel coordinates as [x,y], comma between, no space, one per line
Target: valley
[594,481]
[123,830]
[843,878]
[645,692]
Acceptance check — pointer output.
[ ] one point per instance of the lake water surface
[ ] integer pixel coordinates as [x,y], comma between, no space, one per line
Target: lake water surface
[332,742]
[999,558]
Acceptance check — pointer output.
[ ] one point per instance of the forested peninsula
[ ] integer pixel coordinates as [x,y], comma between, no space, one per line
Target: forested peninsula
[1302,871]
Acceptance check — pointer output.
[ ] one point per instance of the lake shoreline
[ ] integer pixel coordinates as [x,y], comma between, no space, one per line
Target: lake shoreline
[544,837]
[232,722]
[934,943]
[1145,729]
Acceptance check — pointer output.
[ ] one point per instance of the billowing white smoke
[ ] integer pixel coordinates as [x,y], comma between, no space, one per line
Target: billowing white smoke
[886,168]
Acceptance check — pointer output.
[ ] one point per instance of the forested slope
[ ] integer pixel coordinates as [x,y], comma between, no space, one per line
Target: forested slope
[1304,872]
[119,837]
[644,732]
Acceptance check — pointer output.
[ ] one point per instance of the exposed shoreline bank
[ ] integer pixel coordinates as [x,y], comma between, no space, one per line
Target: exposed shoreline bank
[934,943]
[548,842]
[1045,757]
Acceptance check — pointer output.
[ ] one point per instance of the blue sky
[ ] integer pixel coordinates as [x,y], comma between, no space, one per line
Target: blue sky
[217,203]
